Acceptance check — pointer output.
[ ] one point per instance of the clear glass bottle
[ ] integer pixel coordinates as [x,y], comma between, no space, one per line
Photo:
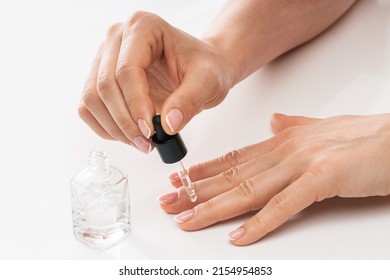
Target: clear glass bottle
[100,203]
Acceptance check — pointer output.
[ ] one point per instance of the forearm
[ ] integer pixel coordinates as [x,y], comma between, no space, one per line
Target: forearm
[252,33]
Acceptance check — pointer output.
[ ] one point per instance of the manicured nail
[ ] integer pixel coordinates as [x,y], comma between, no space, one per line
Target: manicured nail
[175,180]
[174,177]
[236,234]
[168,197]
[131,143]
[143,126]
[174,119]
[185,216]
[142,144]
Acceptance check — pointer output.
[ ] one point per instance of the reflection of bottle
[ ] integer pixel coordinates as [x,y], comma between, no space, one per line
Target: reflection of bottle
[100,203]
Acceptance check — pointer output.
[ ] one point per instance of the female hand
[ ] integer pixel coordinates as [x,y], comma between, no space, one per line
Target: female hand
[308,160]
[146,66]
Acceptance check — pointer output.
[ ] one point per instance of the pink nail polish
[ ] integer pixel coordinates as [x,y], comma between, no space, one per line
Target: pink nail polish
[174,119]
[236,234]
[185,216]
[142,144]
[143,126]
[168,197]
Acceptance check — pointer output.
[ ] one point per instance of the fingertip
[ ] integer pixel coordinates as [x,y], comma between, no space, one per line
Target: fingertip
[278,115]
[145,128]
[244,236]
[142,111]
[276,122]
[280,122]
[236,234]
[174,179]
[173,121]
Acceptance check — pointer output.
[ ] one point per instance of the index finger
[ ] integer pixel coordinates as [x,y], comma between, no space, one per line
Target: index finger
[141,46]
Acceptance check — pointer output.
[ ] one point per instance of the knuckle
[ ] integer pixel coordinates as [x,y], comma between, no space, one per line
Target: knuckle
[202,169]
[290,132]
[291,144]
[211,207]
[193,104]
[233,158]
[123,71]
[88,98]
[116,133]
[140,16]
[321,169]
[114,29]
[258,223]
[103,84]
[82,111]
[230,176]
[279,202]
[246,190]
[123,123]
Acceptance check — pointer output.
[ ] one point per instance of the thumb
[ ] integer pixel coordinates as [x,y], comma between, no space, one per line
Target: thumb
[280,122]
[189,99]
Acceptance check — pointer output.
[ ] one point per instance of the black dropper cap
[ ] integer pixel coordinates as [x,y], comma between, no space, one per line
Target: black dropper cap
[170,147]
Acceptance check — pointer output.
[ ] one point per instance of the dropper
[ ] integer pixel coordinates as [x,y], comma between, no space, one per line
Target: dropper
[187,183]
[172,150]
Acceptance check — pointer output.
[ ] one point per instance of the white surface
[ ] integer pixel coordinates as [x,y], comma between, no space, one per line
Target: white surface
[46,48]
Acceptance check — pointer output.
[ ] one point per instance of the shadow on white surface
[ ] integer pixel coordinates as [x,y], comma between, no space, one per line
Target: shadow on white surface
[347,211]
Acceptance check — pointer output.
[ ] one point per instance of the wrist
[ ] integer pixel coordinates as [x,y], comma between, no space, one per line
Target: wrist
[223,58]
[231,61]
[241,58]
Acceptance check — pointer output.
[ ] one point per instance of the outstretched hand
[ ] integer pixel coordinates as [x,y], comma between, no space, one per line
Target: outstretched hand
[307,160]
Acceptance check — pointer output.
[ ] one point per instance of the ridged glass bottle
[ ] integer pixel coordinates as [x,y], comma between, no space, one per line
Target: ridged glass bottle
[100,203]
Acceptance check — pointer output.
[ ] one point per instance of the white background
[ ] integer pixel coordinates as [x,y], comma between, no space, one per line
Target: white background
[46,48]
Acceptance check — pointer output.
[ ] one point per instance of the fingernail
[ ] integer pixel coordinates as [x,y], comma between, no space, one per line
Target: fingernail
[236,234]
[275,122]
[278,115]
[143,126]
[185,216]
[142,144]
[174,119]
[174,177]
[168,197]
[131,143]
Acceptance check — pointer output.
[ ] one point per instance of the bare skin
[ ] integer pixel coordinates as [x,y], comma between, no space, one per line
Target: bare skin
[307,160]
[146,66]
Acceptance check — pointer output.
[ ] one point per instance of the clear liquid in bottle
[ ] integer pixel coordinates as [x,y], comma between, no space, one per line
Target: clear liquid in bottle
[100,203]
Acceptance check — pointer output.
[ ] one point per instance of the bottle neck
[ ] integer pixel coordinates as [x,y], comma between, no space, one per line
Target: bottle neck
[98,163]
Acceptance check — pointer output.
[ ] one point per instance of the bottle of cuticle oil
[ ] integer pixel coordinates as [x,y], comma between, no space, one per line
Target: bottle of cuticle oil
[100,203]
